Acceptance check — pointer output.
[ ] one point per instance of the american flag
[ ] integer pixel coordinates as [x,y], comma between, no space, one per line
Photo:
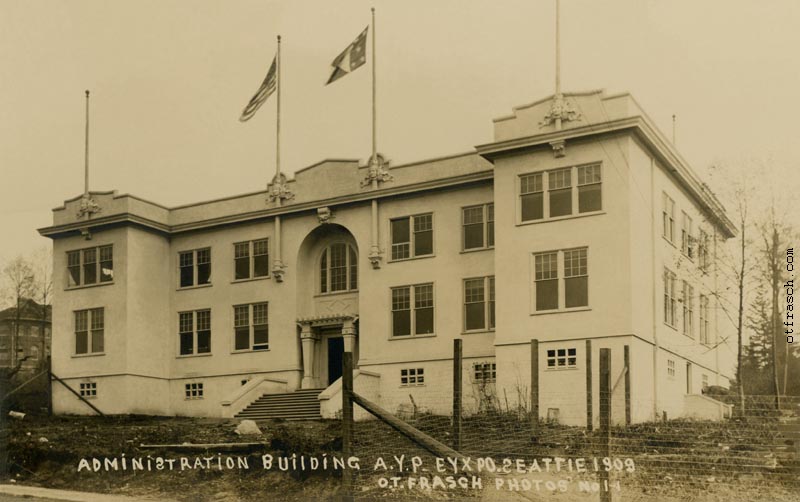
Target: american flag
[352,57]
[268,86]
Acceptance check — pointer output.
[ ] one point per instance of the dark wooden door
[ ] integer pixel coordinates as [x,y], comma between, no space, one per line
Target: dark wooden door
[335,351]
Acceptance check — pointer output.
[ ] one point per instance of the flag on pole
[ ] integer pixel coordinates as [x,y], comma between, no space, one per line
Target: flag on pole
[268,86]
[354,56]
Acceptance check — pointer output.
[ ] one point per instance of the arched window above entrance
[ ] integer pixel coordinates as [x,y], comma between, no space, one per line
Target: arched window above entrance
[338,268]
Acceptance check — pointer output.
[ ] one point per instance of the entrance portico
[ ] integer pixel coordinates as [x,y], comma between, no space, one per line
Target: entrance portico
[319,338]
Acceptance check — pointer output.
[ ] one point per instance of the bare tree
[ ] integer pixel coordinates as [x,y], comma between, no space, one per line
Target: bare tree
[42,294]
[19,286]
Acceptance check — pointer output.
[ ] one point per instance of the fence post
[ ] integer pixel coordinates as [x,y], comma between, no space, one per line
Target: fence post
[589,399]
[457,393]
[627,356]
[49,386]
[534,386]
[347,424]
[605,420]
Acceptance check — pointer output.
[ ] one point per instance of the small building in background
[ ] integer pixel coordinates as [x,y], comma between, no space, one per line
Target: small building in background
[32,339]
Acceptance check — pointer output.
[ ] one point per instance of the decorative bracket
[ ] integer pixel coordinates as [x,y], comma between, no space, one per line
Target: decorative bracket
[86,233]
[561,111]
[280,190]
[375,257]
[377,171]
[88,207]
[278,269]
[559,148]
[324,215]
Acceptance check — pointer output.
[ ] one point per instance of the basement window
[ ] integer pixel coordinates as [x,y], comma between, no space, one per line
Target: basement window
[412,377]
[194,390]
[88,389]
[562,359]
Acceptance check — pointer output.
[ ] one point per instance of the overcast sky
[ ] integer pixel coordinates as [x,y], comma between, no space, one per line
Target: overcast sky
[169,79]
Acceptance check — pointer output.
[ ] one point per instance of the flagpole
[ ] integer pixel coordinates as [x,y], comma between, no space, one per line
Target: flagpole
[374,158]
[86,152]
[278,118]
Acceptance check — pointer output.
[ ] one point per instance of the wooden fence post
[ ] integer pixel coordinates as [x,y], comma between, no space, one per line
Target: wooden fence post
[534,386]
[49,386]
[589,397]
[627,356]
[605,420]
[457,394]
[347,424]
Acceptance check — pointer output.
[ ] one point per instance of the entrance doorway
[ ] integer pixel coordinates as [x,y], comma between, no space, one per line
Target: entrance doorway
[335,351]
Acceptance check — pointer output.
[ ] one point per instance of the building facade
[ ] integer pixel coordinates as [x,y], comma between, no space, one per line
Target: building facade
[586,226]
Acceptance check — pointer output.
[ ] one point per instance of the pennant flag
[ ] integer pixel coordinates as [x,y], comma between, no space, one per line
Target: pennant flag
[268,86]
[352,57]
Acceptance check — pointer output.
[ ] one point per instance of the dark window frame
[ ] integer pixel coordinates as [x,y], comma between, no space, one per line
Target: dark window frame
[407,249]
[416,301]
[195,265]
[103,254]
[253,249]
[251,326]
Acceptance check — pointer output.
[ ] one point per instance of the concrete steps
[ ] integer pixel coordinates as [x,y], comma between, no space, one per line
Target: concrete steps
[297,405]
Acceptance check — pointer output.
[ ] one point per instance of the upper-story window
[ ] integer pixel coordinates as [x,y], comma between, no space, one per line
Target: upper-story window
[563,196]
[687,238]
[688,309]
[90,266]
[412,310]
[412,236]
[89,331]
[702,251]
[479,304]
[251,259]
[547,282]
[251,328]
[194,332]
[338,268]
[668,217]
[704,332]
[478,226]
[670,313]
[195,267]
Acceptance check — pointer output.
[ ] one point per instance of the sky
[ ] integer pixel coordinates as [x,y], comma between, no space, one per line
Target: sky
[169,79]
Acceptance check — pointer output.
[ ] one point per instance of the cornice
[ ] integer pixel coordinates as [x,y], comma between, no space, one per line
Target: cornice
[130,218]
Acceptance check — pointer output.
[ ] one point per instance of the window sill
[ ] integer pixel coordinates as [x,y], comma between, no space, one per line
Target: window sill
[476,250]
[411,386]
[562,369]
[249,279]
[92,354]
[671,326]
[85,286]
[562,311]
[398,260]
[89,397]
[248,351]
[192,398]
[187,356]
[560,218]
[411,337]
[477,331]
[335,293]
[669,241]
[199,286]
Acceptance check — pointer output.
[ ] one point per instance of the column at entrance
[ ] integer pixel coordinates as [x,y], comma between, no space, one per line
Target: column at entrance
[309,341]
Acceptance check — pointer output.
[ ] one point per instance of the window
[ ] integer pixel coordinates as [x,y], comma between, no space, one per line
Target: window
[338,269]
[668,217]
[195,267]
[412,236]
[590,180]
[576,280]
[670,368]
[478,227]
[687,240]
[412,377]
[90,266]
[669,298]
[531,195]
[251,259]
[194,330]
[560,192]
[705,381]
[417,320]
[562,358]
[485,372]
[688,309]
[563,197]
[89,331]
[702,251]
[88,389]
[250,327]
[479,303]
[704,333]
[194,390]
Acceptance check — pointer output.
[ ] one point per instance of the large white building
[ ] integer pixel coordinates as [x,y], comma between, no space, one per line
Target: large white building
[580,221]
